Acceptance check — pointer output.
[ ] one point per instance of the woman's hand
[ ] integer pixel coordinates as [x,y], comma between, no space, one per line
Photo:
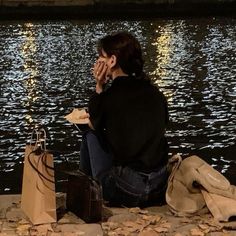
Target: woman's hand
[100,74]
[84,116]
[87,116]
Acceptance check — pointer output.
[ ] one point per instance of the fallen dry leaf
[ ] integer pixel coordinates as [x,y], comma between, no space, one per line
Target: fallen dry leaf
[151,219]
[203,226]
[55,234]
[23,222]
[110,225]
[206,231]
[118,231]
[165,225]
[196,218]
[178,234]
[33,232]
[137,210]
[185,220]
[144,212]
[157,218]
[23,227]
[148,232]
[132,226]
[112,234]
[196,232]
[145,217]
[161,229]
[212,223]
[141,221]
[42,229]
[123,232]
[80,233]
[164,221]
[129,224]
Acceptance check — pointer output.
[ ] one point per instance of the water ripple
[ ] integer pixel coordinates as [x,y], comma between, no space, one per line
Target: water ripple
[45,73]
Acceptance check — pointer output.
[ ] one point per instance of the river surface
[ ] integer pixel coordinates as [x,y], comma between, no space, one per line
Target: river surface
[45,72]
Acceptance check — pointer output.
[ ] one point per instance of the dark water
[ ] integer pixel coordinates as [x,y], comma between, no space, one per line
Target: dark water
[45,73]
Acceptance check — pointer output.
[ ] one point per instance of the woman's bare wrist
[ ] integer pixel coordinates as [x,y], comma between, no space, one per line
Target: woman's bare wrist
[99,88]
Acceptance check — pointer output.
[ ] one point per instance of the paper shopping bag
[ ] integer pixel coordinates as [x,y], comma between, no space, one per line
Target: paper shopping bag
[38,199]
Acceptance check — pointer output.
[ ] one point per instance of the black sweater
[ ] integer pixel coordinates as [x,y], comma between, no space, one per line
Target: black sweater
[132,116]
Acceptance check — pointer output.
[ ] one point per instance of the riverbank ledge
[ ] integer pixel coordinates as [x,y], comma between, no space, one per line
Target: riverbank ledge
[152,221]
[13,9]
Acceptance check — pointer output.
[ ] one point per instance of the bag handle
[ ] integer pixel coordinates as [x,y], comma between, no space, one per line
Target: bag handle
[39,148]
[40,142]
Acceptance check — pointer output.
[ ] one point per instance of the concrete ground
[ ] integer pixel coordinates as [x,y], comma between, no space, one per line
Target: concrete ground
[152,221]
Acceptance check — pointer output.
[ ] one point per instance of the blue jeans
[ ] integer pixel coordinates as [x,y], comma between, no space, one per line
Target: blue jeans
[125,186]
[94,160]
[121,185]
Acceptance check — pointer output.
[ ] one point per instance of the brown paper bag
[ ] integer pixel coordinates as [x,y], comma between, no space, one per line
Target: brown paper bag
[38,199]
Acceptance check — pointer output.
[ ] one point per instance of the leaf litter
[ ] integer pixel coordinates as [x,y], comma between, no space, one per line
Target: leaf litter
[152,224]
[147,224]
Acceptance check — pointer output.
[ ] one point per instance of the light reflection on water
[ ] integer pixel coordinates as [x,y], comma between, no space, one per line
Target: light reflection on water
[45,73]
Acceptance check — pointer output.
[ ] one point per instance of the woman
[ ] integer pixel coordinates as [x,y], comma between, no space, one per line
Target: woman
[126,150]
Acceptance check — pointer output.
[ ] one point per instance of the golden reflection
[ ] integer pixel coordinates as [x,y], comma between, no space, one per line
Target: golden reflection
[163,51]
[28,50]
[29,118]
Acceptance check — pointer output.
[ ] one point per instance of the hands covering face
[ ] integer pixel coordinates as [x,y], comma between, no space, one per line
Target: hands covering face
[101,73]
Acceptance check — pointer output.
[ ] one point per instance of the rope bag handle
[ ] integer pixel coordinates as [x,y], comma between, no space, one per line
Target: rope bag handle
[40,142]
[38,147]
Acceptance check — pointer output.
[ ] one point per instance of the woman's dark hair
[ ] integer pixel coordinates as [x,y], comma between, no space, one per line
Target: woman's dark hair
[127,50]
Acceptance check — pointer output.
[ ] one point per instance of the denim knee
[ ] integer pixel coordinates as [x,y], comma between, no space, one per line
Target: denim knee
[124,186]
[117,195]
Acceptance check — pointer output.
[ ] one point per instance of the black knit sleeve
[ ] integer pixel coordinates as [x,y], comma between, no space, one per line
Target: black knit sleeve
[95,108]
